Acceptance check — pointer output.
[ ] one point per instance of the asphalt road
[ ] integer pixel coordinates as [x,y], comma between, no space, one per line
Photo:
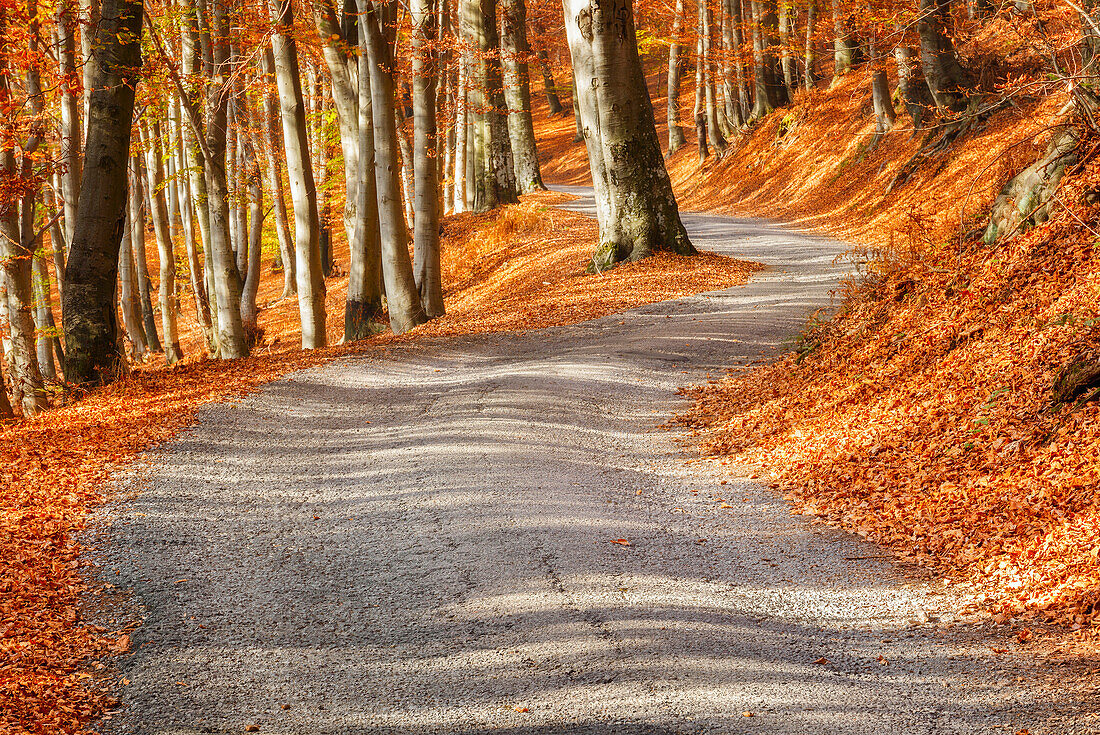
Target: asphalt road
[420,542]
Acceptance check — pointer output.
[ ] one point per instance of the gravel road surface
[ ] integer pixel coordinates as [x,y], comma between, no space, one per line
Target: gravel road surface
[420,542]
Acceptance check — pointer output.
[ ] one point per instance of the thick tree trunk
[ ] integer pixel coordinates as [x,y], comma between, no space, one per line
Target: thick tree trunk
[363,310]
[495,170]
[426,266]
[514,51]
[402,298]
[303,189]
[845,48]
[947,80]
[885,117]
[635,204]
[90,318]
[676,137]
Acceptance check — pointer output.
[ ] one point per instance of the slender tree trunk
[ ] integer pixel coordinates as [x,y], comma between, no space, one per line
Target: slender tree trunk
[71,128]
[273,154]
[699,110]
[809,79]
[786,58]
[303,189]
[135,220]
[363,311]
[461,140]
[635,204]
[676,137]
[91,272]
[232,341]
[549,86]
[251,287]
[732,74]
[402,297]
[131,308]
[426,265]
[158,212]
[43,313]
[514,51]
[714,130]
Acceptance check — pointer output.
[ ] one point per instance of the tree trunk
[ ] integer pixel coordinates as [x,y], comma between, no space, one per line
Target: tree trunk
[786,58]
[636,207]
[303,189]
[272,133]
[461,139]
[129,299]
[402,297]
[232,341]
[135,220]
[425,69]
[45,329]
[845,47]
[885,117]
[732,73]
[578,135]
[809,79]
[71,129]
[158,212]
[676,137]
[90,318]
[699,109]
[947,80]
[549,86]
[514,52]
[714,130]
[363,310]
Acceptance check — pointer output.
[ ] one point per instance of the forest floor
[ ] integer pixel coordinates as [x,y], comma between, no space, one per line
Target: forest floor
[489,533]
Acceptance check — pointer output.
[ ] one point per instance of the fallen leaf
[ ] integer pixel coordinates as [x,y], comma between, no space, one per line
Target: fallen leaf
[621,542]
[518,708]
[822,661]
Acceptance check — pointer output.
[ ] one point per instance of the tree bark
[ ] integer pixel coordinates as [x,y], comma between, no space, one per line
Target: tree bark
[699,109]
[232,341]
[676,137]
[363,310]
[135,221]
[636,207]
[90,318]
[514,52]
[425,69]
[809,78]
[303,189]
[402,298]
[845,47]
[129,297]
[158,212]
[71,128]
[947,80]
[714,130]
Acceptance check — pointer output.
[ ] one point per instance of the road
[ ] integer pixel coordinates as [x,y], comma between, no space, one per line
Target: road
[420,541]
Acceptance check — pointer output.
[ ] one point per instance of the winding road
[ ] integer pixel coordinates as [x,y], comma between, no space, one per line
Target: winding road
[419,542]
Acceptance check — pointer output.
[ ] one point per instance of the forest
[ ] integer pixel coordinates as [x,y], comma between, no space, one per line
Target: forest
[842,255]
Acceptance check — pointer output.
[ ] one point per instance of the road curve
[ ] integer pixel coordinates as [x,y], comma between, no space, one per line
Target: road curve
[419,542]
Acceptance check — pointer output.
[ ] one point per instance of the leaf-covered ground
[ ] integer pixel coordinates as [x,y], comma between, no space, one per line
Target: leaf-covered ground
[520,268]
[921,415]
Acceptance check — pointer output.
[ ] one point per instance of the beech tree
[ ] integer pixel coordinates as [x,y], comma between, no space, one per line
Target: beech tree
[635,204]
[91,272]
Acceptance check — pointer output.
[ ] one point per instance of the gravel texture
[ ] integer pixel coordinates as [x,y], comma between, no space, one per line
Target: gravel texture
[418,542]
